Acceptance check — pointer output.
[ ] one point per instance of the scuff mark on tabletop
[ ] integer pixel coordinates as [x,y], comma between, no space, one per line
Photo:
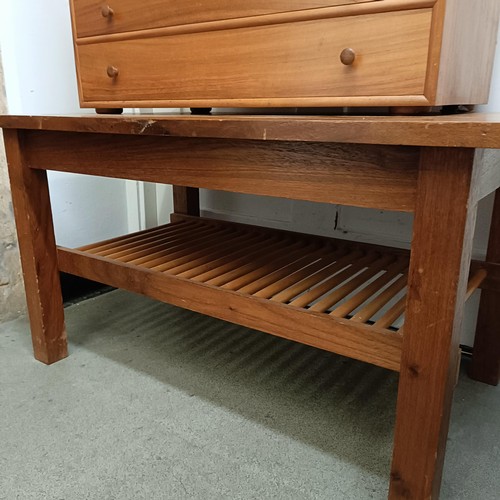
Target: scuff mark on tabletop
[147,125]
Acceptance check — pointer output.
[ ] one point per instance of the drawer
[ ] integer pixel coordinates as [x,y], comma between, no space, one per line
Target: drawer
[295,60]
[132,15]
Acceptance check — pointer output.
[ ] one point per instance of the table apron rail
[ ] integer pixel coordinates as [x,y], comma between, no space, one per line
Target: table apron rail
[383,177]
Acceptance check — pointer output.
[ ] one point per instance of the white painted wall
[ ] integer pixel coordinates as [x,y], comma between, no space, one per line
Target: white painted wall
[40,78]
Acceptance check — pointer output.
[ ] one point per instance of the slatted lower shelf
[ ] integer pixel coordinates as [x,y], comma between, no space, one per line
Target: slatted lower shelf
[340,296]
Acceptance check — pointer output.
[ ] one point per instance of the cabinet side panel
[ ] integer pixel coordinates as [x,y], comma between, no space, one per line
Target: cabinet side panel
[468,50]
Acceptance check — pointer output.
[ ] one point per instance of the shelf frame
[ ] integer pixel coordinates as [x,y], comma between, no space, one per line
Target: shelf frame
[144,262]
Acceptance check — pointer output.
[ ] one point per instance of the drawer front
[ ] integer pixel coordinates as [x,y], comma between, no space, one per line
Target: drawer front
[297,60]
[132,15]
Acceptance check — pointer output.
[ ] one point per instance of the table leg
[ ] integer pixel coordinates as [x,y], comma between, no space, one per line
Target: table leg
[486,356]
[186,200]
[31,202]
[439,266]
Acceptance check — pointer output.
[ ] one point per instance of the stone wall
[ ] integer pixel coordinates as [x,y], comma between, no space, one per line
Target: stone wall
[12,302]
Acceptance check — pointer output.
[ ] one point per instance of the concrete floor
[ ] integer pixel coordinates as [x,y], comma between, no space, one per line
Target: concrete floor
[156,402]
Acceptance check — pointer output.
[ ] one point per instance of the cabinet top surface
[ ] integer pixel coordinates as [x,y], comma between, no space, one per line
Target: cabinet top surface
[470,130]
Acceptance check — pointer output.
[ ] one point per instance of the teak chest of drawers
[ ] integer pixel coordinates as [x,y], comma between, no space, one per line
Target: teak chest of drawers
[276,53]
[335,295]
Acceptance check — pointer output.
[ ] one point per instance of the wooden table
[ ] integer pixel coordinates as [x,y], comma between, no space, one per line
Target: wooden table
[339,296]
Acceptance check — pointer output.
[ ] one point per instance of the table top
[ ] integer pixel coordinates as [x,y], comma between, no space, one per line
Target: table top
[469,130]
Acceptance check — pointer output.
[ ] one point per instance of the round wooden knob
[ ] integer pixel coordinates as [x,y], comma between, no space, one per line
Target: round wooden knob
[348,56]
[107,11]
[112,72]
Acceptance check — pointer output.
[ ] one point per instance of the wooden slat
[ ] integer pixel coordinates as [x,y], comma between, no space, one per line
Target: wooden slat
[130,241]
[201,241]
[277,281]
[325,272]
[218,251]
[392,314]
[184,249]
[475,282]
[220,272]
[334,281]
[248,263]
[373,306]
[202,238]
[248,255]
[263,267]
[147,245]
[370,290]
[266,289]
[337,295]
[322,240]
[137,236]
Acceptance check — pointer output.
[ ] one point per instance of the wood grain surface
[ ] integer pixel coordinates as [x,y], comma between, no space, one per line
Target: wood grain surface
[186,200]
[359,175]
[130,15]
[469,130]
[31,203]
[437,286]
[468,50]
[239,63]
[277,53]
[486,355]
[318,330]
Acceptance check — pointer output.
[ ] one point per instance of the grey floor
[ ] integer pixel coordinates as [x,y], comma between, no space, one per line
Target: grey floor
[156,402]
